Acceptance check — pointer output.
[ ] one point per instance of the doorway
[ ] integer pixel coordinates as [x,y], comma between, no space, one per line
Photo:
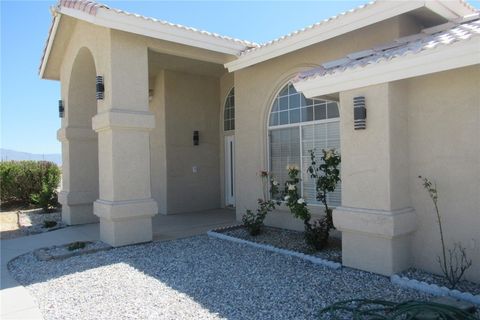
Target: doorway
[230,171]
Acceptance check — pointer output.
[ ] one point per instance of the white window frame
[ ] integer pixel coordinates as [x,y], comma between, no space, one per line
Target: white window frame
[225,109]
[300,126]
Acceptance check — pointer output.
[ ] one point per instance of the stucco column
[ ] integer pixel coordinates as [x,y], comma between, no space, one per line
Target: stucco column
[376,217]
[125,205]
[79,174]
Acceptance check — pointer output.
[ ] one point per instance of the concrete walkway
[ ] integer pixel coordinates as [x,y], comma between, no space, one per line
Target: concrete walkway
[15,300]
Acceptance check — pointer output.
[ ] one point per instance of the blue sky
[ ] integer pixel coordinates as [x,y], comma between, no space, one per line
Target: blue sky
[29,115]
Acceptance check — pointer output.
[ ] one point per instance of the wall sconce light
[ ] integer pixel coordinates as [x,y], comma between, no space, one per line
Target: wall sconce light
[100,88]
[61,109]
[359,113]
[196,138]
[150,94]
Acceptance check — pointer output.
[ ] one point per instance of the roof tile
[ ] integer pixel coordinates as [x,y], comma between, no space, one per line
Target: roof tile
[413,44]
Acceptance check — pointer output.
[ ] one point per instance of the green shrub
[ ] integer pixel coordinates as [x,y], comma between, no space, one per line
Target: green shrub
[76,245]
[253,221]
[29,182]
[326,175]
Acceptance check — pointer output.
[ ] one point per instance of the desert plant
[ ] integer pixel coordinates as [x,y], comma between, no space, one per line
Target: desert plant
[326,175]
[76,245]
[457,263]
[254,221]
[388,310]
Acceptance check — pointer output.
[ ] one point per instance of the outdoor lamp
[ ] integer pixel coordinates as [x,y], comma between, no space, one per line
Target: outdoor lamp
[61,109]
[196,138]
[100,87]
[359,113]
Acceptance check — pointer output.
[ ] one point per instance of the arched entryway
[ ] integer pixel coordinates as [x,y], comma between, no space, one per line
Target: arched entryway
[80,182]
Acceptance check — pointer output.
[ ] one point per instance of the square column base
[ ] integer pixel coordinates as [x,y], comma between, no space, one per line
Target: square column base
[375,240]
[125,222]
[124,232]
[77,207]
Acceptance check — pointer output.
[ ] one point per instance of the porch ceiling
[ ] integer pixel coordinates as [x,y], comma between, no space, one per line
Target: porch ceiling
[157,60]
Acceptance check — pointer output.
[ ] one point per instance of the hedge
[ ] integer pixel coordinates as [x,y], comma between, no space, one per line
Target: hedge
[29,182]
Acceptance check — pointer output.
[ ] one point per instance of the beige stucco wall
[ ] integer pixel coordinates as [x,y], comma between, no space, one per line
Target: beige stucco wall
[183,103]
[444,145]
[256,87]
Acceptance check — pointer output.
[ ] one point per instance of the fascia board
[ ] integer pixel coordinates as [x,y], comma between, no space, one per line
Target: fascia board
[153,29]
[48,49]
[443,58]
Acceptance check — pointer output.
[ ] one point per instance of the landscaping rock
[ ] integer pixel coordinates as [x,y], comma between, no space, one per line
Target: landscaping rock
[288,239]
[424,276]
[193,278]
[63,251]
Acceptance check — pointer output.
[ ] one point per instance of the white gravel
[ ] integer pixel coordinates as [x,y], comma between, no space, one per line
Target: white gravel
[193,278]
[31,221]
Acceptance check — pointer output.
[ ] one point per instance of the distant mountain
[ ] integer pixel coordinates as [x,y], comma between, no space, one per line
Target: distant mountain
[7,155]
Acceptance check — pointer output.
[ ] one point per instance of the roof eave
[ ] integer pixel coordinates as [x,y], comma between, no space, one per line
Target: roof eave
[379,11]
[133,24]
[48,47]
[458,55]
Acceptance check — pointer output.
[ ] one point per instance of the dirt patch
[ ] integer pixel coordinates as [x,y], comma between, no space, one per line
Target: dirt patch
[9,225]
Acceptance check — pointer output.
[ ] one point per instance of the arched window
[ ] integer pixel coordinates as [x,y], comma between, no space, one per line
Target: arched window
[297,125]
[229,113]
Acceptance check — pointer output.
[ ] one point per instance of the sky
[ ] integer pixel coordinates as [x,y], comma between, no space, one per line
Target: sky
[29,106]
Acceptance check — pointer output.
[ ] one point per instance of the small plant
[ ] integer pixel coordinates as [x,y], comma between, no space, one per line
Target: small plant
[366,309]
[253,221]
[457,263]
[293,200]
[47,224]
[316,232]
[76,245]
[326,175]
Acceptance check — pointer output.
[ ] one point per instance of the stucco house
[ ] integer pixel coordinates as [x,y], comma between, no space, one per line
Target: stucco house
[161,118]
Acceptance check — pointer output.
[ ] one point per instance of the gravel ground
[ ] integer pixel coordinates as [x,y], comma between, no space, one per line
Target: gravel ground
[63,252]
[420,275]
[193,278]
[288,239]
[31,221]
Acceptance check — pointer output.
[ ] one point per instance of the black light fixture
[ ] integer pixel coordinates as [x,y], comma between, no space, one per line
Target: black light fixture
[196,138]
[359,113]
[100,87]
[61,109]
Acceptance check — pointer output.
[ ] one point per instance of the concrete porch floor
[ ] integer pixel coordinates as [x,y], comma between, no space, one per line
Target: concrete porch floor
[15,300]
[182,225]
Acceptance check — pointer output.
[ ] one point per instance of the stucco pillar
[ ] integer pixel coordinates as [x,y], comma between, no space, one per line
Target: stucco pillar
[376,217]
[79,174]
[125,205]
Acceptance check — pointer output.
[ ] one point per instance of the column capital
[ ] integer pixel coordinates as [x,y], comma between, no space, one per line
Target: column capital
[123,119]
